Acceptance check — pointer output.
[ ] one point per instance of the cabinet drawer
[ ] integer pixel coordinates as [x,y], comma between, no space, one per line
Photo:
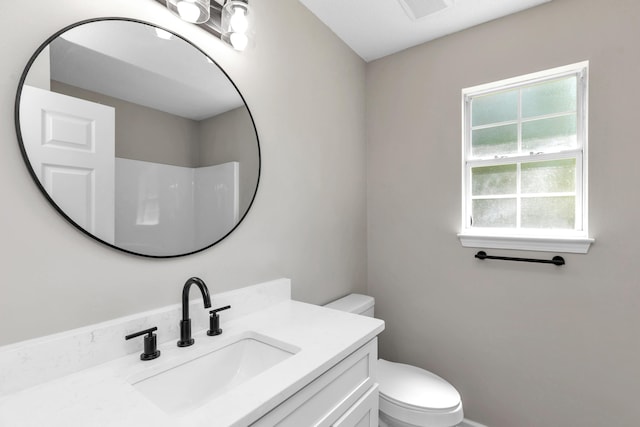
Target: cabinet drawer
[364,413]
[325,399]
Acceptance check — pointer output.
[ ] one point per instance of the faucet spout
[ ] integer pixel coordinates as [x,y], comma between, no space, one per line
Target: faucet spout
[185,295]
[185,323]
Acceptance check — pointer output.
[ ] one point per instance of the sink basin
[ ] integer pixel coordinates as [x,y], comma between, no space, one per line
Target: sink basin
[197,381]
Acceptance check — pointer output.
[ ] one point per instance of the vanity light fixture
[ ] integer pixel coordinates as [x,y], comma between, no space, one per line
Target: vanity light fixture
[235,23]
[229,20]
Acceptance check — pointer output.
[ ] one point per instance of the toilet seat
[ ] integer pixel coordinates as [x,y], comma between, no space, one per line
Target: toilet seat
[418,397]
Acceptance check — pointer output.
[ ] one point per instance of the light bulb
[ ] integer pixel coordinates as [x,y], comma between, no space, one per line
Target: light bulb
[238,21]
[188,10]
[239,41]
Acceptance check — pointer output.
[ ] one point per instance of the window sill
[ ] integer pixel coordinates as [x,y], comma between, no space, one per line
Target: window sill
[578,245]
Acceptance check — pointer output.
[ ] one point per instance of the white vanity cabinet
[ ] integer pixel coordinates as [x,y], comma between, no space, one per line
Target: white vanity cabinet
[91,376]
[346,395]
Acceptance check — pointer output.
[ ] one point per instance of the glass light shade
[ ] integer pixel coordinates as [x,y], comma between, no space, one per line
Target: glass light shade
[236,23]
[196,11]
[239,41]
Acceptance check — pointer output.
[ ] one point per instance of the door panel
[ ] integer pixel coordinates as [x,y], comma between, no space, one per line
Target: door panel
[70,143]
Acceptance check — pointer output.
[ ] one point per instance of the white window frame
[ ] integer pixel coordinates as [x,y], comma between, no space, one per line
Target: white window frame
[572,241]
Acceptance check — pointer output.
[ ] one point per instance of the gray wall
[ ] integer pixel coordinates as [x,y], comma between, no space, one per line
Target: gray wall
[527,345]
[230,137]
[308,219]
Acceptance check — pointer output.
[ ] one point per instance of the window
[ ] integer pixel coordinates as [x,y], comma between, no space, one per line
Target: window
[524,165]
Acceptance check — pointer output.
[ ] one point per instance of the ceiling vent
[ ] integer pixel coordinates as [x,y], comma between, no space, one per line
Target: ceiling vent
[417,9]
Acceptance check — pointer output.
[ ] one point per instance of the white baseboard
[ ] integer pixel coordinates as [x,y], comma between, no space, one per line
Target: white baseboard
[469,423]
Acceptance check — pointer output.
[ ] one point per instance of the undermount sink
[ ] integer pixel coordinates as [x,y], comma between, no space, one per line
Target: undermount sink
[197,381]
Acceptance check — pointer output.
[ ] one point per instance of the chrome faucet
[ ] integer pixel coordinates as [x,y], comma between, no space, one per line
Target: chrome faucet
[185,323]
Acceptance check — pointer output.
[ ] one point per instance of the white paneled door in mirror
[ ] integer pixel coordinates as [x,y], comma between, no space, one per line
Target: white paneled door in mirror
[70,143]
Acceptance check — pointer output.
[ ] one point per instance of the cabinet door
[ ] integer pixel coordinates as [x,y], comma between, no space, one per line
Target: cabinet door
[323,401]
[364,413]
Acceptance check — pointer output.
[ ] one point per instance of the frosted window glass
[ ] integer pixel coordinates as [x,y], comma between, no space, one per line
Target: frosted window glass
[549,177]
[499,140]
[496,108]
[524,157]
[556,96]
[548,134]
[549,212]
[492,180]
[494,213]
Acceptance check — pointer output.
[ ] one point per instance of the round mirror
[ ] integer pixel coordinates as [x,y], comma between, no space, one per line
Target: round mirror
[137,137]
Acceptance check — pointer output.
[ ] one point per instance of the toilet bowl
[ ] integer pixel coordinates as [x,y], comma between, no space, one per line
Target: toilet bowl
[409,396]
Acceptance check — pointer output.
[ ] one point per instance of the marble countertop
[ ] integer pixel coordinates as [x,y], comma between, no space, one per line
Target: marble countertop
[103,395]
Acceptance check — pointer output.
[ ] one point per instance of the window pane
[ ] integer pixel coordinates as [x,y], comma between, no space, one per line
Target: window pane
[549,177]
[494,213]
[492,180]
[556,96]
[549,212]
[496,141]
[496,108]
[549,134]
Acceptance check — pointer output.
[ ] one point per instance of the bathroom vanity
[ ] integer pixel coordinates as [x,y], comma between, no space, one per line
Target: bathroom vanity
[277,362]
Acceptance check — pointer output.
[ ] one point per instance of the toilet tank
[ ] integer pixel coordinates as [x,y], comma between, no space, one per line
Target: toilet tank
[354,303]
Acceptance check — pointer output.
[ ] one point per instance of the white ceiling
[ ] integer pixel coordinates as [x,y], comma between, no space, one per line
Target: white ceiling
[127,60]
[376,28]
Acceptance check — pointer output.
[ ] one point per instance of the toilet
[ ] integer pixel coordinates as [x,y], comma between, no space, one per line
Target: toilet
[409,396]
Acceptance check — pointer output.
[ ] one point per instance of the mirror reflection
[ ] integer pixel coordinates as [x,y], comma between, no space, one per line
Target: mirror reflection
[138,138]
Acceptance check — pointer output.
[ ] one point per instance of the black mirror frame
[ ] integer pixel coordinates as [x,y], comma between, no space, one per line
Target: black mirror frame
[33,174]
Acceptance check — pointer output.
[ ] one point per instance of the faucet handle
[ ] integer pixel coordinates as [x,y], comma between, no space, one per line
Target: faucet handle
[150,343]
[214,321]
[219,309]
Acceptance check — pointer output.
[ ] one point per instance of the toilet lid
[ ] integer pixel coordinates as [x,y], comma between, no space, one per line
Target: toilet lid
[415,388]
